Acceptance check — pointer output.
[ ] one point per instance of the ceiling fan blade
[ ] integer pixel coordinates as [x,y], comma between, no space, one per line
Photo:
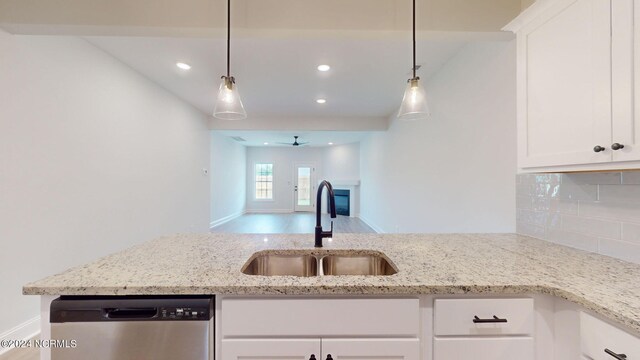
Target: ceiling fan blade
[303,143]
[281,143]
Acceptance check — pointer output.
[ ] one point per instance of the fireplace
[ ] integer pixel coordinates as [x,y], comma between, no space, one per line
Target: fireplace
[342,198]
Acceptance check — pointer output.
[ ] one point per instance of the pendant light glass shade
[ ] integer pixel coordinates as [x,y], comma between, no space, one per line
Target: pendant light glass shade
[414,103]
[228,104]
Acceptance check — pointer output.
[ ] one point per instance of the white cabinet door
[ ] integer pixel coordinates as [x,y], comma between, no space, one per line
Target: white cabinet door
[601,341]
[270,349]
[625,47]
[508,348]
[564,85]
[378,349]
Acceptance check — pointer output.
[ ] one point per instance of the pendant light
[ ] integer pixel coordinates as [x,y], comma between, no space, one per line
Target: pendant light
[228,104]
[414,103]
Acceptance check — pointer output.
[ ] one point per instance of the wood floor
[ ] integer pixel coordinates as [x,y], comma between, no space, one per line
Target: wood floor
[21,354]
[294,223]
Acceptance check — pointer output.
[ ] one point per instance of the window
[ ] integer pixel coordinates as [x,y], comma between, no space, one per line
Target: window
[264,181]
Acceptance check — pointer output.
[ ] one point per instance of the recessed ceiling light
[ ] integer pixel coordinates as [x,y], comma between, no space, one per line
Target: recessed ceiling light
[183,66]
[266,143]
[324,68]
[321,101]
[330,143]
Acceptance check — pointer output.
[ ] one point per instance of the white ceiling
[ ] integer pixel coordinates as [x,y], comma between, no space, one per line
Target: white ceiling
[204,17]
[277,77]
[314,138]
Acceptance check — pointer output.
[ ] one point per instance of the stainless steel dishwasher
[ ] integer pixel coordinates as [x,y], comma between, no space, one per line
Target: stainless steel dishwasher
[132,328]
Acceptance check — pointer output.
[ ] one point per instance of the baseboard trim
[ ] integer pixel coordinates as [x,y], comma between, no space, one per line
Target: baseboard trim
[25,331]
[269,211]
[226,219]
[371,225]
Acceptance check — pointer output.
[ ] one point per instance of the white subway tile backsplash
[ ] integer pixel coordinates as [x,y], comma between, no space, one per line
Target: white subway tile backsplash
[578,241]
[631,178]
[554,222]
[620,249]
[598,212]
[524,202]
[595,227]
[578,192]
[530,230]
[626,212]
[593,178]
[547,178]
[620,193]
[538,218]
[563,206]
[631,233]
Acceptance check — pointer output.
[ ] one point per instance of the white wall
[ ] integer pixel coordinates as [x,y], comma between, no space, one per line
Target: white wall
[94,158]
[283,160]
[454,172]
[228,178]
[341,162]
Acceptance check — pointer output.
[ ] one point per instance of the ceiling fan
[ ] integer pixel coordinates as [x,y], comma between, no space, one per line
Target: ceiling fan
[295,142]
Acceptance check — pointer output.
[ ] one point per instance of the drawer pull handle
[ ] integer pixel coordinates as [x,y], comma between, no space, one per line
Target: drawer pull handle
[599,148]
[329,357]
[313,357]
[495,319]
[616,356]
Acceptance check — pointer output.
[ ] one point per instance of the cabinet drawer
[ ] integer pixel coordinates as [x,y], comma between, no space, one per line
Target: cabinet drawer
[520,348]
[596,336]
[456,316]
[320,317]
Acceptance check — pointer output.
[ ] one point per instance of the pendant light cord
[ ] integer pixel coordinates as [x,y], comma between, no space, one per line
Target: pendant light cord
[229,38]
[414,39]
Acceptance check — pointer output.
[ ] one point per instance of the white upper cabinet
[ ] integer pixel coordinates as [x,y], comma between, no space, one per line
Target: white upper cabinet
[577,62]
[625,47]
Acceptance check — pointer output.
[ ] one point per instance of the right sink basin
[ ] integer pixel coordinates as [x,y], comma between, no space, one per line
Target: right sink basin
[356,265]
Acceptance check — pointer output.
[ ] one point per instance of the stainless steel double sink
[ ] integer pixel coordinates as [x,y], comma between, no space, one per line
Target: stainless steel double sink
[326,264]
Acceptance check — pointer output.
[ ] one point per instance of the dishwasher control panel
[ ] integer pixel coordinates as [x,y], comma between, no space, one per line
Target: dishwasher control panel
[131,308]
[185,313]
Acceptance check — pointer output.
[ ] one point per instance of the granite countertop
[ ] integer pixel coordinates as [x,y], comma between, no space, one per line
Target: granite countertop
[427,264]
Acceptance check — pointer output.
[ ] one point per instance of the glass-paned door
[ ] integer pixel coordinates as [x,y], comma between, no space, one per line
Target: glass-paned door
[304,187]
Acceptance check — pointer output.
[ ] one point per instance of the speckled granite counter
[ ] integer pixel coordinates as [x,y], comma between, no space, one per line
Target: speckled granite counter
[427,264]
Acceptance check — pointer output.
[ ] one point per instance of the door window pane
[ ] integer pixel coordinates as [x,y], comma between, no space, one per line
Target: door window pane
[304,186]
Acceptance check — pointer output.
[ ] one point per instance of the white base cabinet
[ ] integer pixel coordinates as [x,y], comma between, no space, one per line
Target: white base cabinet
[270,349]
[379,349]
[426,327]
[321,349]
[601,341]
[299,328]
[521,348]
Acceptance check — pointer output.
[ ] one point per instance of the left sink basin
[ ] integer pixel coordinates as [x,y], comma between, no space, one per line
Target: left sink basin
[282,265]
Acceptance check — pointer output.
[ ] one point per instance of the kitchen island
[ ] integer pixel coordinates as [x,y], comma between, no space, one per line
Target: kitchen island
[451,265]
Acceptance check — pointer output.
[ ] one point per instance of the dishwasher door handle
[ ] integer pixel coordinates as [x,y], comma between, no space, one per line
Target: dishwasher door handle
[131,313]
